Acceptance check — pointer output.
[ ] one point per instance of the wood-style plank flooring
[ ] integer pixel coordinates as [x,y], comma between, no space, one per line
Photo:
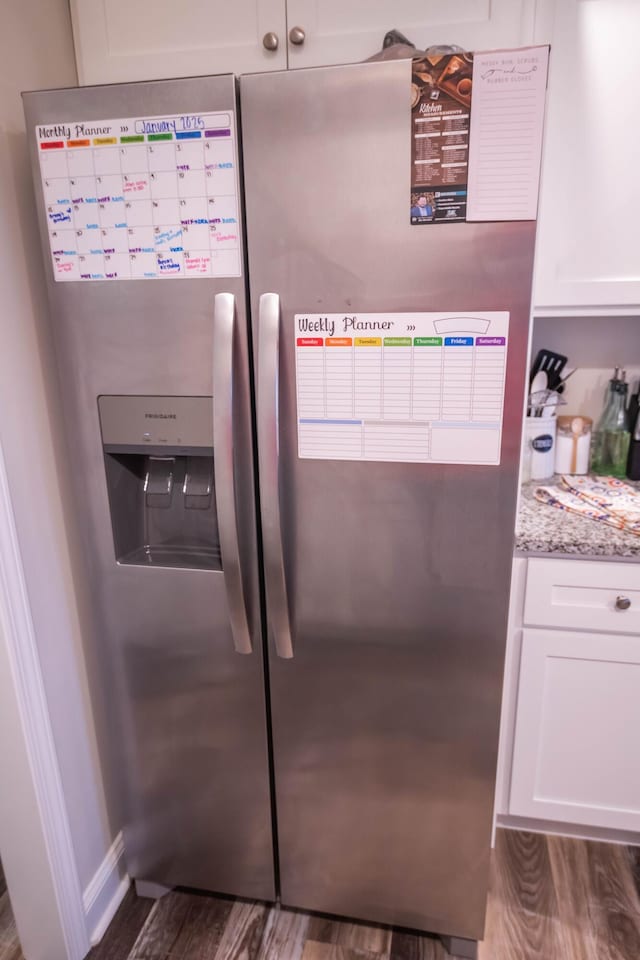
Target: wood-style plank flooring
[551,898]
[9,943]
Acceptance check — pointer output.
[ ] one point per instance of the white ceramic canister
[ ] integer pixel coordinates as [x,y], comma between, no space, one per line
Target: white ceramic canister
[538,455]
[573,444]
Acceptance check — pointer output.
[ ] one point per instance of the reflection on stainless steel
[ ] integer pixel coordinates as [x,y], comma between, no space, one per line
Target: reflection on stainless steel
[385,723]
[180,716]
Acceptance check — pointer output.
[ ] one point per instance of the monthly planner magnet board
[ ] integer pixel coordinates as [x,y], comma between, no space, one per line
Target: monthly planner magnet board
[142,198]
[404,387]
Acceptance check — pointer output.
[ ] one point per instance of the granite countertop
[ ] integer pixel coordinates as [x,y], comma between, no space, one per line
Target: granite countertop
[542,530]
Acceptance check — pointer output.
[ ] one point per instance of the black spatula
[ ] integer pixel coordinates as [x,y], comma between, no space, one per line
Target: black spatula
[552,364]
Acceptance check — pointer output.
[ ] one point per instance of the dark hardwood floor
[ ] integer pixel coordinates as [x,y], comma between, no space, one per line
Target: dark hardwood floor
[551,898]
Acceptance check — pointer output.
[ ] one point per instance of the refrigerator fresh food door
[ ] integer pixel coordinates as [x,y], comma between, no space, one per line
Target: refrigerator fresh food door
[387,582]
[165,493]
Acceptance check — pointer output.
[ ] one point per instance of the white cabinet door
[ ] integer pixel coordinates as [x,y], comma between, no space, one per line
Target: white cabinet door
[576,755]
[588,233]
[345,31]
[122,40]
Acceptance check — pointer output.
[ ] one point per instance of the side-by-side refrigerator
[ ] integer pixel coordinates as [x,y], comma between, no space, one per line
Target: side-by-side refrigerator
[293,428]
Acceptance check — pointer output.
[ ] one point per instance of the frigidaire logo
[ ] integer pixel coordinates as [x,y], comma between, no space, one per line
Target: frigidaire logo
[160,416]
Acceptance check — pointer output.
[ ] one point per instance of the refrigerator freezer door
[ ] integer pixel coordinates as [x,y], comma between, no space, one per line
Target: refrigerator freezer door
[385,720]
[180,715]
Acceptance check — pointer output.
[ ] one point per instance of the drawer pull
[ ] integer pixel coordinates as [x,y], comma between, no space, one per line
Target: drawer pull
[623,603]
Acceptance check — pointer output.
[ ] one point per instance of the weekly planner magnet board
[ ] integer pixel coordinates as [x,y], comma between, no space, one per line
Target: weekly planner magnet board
[405,387]
[142,198]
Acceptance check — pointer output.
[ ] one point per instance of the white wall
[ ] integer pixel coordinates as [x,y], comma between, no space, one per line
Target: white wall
[36,51]
[26,860]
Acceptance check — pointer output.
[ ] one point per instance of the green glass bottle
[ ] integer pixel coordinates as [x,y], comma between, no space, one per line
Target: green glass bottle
[610,446]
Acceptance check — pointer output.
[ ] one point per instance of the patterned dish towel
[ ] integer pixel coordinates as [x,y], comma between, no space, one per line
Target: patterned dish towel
[604,499]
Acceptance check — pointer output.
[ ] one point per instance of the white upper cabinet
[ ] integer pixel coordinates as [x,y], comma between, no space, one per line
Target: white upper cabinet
[121,40]
[345,31]
[588,253]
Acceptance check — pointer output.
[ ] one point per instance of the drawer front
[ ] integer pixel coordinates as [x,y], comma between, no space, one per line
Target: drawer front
[583,595]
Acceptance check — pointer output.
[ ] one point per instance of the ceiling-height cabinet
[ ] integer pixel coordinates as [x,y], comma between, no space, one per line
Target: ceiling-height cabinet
[588,258]
[344,31]
[587,253]
[122,40]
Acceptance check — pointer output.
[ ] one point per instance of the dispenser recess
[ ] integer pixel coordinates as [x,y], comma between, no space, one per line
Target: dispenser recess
[159,460]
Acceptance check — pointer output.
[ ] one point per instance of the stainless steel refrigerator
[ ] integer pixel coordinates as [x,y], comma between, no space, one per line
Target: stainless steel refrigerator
[345,723]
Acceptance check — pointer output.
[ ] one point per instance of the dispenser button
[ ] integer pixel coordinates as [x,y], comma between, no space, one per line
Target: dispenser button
[146,436]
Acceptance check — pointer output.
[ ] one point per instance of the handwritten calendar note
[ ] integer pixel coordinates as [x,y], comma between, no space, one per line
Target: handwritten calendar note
[407,387]
[142,198]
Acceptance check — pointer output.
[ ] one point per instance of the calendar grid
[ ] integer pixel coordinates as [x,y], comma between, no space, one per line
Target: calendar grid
[431,389]
[151,198]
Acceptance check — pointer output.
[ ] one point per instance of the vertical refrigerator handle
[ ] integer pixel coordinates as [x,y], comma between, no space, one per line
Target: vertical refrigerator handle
[268,455]
[224,317]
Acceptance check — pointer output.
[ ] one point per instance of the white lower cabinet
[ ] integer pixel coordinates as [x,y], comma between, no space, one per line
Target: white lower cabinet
[576,753]
[569,759]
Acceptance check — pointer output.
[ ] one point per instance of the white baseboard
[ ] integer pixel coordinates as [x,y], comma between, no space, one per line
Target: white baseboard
[105,891]
[579,832]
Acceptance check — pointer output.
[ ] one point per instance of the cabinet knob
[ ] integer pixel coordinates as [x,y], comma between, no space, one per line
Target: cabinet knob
[623,603]
[297,36]
[270,41]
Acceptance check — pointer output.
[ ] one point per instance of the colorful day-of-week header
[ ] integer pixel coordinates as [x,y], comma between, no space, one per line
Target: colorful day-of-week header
[104,133]
[401,341]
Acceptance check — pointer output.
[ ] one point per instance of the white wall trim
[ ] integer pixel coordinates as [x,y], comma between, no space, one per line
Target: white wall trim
[575,831]
[105,891]
[600,310]
[18,631]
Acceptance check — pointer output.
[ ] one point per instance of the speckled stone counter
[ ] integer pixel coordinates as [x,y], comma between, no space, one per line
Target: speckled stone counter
[545,530]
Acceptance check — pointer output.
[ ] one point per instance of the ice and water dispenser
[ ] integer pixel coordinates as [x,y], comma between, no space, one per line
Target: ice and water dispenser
[160,478]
